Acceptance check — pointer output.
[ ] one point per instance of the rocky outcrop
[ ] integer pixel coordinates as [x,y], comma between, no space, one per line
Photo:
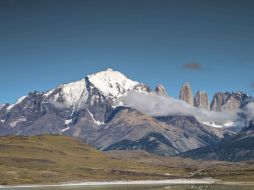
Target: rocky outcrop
[201,100]
[219,99]
[142,88]
[160,90]
[186,93]
[228,102]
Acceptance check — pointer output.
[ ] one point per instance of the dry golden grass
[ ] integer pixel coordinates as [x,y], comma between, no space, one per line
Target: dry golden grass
[49,159]
[52,159]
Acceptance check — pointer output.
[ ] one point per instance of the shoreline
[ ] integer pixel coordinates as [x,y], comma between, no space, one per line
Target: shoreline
[179,181]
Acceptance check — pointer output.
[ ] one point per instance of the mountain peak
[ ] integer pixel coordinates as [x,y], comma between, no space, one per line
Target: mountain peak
[161,90]
[186,93]
[109,69]
[186,83]
[111,83]
[201,100]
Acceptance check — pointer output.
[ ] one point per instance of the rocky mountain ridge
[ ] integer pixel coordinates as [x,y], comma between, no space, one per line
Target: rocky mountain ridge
[91,109]
[228,102]
[221,102]
[236,148]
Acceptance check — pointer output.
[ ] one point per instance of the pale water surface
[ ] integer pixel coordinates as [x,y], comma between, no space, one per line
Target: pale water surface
[144,187]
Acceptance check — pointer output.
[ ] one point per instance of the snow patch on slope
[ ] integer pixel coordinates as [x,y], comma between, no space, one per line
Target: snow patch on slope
[65,129]
[72,92]
[73,95]
[14,123]
[68,121]
[212,124]
[48,93]
[94,120]
[13,105]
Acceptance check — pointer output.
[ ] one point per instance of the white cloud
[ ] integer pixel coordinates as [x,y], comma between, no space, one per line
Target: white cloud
[248,111]
[156,105]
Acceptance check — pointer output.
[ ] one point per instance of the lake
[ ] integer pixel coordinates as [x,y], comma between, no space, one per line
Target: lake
[143,187]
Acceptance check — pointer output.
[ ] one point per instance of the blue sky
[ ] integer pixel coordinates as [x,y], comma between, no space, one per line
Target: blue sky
[45,43]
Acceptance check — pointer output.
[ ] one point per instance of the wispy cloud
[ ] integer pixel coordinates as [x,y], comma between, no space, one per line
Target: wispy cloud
[156,105]
[193,66]
[248,111]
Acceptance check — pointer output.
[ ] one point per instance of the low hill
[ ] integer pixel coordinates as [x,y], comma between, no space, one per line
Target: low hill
[51,159]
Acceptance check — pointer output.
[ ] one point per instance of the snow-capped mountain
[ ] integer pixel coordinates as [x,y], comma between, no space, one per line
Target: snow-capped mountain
[90,109]
[92,96]
[112,84]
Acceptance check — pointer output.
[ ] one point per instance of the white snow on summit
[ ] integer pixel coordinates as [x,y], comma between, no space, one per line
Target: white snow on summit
[112,83]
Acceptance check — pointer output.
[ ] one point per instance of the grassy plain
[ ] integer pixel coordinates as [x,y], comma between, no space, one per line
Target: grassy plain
[48,159]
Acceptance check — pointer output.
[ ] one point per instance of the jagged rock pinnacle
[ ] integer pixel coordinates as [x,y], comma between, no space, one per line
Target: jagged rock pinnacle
[186,93]
[201,100]
[160,90]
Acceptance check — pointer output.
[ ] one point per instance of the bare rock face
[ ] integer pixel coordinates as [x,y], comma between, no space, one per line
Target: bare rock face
[201,100]
[142,87]
[161,90]
[219,99]
[228,102]
[186,93]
